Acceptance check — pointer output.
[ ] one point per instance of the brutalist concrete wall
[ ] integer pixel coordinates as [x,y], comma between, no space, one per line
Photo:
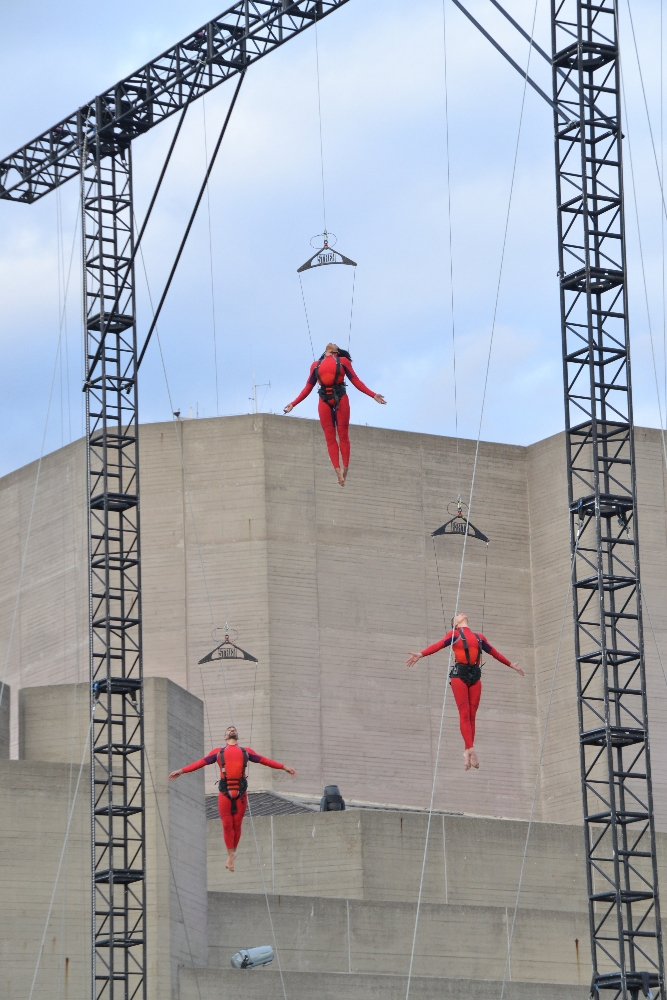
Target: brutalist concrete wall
[55,723]
[44,880]
[5,703]
[243,522]
[552,615]
[353,585]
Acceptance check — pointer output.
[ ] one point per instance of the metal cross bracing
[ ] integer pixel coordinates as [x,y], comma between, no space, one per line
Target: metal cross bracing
[619,831]
[118,856]
[94,144]
[223,47]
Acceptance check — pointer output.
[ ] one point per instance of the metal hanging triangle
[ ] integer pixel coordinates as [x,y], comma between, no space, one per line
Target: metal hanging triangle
[228,650]
[460,525]
[325,255]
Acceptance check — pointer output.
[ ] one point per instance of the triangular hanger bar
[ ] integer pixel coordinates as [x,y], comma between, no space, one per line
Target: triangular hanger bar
[228,650]
[326,255]
[460,525]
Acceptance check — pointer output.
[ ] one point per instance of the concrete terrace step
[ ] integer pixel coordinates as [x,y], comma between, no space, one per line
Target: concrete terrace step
[453,941]
[263,984]
[375,854]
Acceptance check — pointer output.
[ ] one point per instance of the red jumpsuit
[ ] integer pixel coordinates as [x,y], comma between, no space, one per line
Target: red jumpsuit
[232,821]
[467,696]
[334,415]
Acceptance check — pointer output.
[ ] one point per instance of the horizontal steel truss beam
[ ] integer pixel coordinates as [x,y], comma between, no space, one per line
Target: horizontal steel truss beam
[624,911]
[232,42]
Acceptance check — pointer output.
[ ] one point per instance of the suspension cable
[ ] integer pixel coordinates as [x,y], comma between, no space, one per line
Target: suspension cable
[210,605]
[539,762]
[472,485]
[319,112]
[171,869]
[354,283]
[643,269]
[26,544]
[192,218]
[210,257]
[451,258]
[60,862]
[303,299]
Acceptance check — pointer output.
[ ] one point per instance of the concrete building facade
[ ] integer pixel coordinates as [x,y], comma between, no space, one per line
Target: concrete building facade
[243,523]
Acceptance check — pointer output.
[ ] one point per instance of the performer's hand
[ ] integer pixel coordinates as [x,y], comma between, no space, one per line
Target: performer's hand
[290,770]
[380,399]
[175,774]
[515,666]
[288,408]
[413,659]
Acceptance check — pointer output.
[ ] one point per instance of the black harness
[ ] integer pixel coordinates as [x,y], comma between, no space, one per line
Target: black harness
[331,394]
[242,781]
[468,672]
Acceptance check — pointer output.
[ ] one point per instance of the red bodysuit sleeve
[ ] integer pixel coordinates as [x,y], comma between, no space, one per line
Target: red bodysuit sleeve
[488,648]
[354,379]
[257,758]
[440,644]
[308,387]
[210,758]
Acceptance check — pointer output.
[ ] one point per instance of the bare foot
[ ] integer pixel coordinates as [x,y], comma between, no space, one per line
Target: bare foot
[466,760]
[474,761]
[230,861]
[345,468]
[341,477]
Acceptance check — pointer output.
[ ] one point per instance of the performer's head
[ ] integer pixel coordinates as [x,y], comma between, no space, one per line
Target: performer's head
[460,621]
[331,349]
[231,734]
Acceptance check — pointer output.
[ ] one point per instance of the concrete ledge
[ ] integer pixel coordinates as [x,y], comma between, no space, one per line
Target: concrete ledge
[263,984]
[453,941]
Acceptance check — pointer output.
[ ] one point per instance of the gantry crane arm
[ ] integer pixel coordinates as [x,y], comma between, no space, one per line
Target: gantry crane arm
[221,48]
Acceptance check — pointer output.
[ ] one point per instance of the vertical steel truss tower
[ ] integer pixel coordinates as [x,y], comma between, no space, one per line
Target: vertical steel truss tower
[620,847]
[94,145]
[118,855]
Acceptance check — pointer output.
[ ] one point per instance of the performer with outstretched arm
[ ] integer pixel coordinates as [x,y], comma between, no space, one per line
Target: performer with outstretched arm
[233,798]
[334,406]
[466,676]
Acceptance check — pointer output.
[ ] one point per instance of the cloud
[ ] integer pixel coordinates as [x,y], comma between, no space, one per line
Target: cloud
[387,199]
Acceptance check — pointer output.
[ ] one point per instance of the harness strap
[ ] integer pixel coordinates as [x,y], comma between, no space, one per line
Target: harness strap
[462,637]
[334,393]
[223,784]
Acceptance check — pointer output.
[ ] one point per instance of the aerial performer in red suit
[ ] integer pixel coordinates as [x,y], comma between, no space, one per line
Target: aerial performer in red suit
[233,785]
[334,406]
[466,677]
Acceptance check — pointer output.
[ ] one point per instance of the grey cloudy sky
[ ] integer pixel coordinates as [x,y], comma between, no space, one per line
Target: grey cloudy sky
[386,188]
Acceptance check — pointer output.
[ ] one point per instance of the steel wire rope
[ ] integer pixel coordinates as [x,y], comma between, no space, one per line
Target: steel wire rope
[643,270]
[210,605]
[60,862]
[37,476]
[472,483]
[171,869]
[204,185]
[303,299]
[450,247]
[62,312]
[354,284]
[662,217]
[539,762]
[210,257]
[319,113]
